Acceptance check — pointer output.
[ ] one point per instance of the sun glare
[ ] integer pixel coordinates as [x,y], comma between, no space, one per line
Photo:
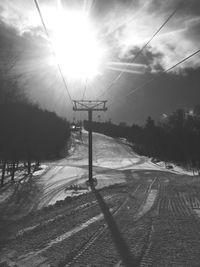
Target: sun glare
[76,45]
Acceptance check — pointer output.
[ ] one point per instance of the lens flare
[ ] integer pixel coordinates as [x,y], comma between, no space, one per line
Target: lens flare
[77,48]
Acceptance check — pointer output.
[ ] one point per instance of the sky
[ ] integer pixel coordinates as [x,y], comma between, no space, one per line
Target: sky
[122,29]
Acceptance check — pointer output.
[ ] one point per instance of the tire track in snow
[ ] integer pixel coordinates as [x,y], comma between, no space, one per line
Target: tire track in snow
[85,206]
[32,256]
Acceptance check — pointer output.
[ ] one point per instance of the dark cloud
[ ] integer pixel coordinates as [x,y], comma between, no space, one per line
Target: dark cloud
[193,30]
[8,36]
[147,57]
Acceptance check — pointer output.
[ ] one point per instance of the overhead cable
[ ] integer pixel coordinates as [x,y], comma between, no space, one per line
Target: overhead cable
[46,31]
[142,49]
[161,73]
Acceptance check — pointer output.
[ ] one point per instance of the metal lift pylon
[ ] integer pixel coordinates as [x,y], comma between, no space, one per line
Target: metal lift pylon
[90,106]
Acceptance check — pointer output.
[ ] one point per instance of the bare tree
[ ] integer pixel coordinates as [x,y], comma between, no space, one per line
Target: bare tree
[9,89]
[9,78]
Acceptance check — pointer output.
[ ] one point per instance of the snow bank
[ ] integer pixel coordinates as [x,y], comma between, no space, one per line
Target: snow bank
[175,169]
[41,170]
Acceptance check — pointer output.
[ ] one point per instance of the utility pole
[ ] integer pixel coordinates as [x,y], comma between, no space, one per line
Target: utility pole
[90,106]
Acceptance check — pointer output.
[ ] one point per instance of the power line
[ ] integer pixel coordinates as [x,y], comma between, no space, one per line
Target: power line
[142,49]
[59,68]
[161,73]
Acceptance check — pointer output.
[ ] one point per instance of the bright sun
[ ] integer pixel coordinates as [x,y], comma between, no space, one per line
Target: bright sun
[76,45]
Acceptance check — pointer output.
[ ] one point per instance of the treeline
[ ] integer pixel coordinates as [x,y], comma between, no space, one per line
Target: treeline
[29,134]
[175,138]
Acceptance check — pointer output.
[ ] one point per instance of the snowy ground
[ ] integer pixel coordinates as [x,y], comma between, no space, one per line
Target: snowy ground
[156,210]
[111,159]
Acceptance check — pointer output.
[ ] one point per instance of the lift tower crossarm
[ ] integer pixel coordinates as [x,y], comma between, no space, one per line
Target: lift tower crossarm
[90,106]
[85,105]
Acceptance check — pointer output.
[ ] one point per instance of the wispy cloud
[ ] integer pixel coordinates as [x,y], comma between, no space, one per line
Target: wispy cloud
[127,67]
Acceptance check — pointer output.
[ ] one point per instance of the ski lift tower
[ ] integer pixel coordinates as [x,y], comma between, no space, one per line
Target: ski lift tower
[90,106]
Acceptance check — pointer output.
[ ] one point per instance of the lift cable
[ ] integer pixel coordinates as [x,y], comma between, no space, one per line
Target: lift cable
[54,53]
[160,74]
[165,71]
[142,49]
